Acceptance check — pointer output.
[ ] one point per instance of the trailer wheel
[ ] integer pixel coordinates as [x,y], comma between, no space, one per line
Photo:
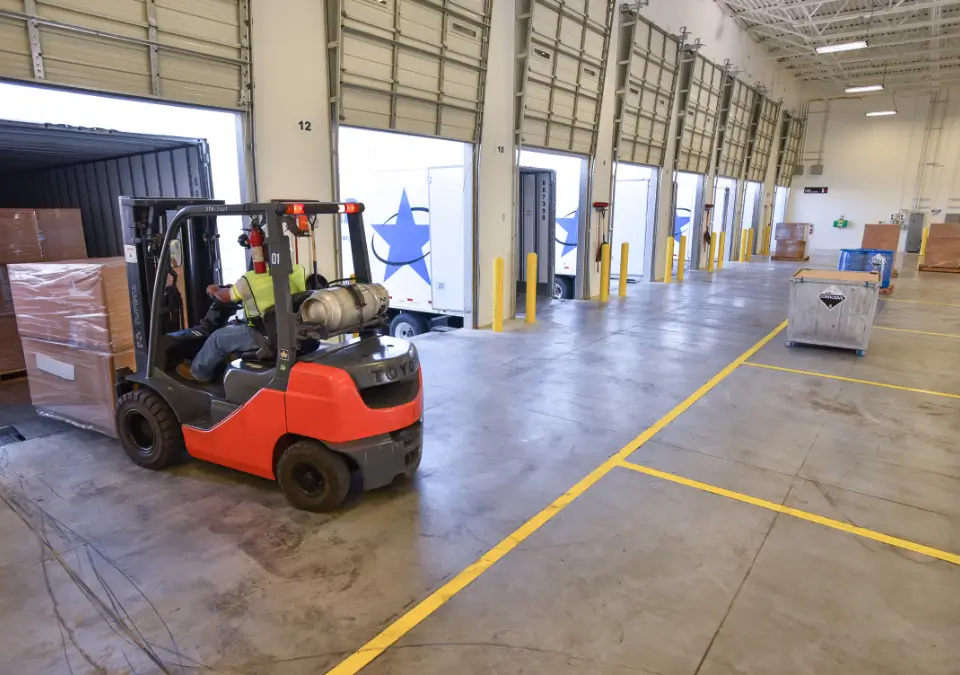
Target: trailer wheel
[312,477]
[562,288]
[405,325]
[148,429]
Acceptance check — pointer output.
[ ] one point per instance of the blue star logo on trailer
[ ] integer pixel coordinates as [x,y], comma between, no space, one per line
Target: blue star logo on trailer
[570,226]
[406,240]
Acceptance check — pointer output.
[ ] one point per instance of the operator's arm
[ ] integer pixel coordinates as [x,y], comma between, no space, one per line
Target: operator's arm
[222,293]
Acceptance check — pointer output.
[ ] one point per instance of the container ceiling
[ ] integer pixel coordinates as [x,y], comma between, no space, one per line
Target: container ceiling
[912,44]
[32,147]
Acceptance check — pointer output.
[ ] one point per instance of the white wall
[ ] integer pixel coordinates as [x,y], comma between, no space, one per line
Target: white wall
[872,164]
[496,175]
[723,39]
[290,86]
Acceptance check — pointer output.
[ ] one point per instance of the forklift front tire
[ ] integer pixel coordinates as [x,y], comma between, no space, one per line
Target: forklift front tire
[312,477]
[148,430]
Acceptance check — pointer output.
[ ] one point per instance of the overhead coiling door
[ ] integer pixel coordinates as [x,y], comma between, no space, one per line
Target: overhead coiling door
[764,132]
[736,130]
[646,80]
[702,109]
[416,66]
[563,80]
[790,154]
[187,51]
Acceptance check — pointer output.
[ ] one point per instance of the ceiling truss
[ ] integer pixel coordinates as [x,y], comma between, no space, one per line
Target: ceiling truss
[912,44]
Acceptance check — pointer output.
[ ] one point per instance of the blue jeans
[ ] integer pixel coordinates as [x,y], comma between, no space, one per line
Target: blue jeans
[219,346]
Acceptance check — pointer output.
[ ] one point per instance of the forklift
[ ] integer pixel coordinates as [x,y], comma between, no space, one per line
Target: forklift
[311,413]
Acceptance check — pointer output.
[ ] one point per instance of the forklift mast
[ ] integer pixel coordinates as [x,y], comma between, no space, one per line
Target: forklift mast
[145,223]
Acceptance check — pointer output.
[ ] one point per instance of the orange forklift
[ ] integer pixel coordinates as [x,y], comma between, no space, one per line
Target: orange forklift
[311,413]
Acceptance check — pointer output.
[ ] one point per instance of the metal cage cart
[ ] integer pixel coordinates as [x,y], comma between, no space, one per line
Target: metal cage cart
[833,308]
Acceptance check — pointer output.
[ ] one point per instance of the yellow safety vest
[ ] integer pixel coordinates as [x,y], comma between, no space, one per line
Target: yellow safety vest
[256,290]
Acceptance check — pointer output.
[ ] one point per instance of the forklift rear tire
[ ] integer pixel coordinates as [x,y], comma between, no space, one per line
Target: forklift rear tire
[312,477]
[148,430]
[406,325]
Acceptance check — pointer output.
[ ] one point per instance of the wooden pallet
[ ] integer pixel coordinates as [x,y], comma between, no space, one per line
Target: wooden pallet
[947,270]
[7,375]
[803,259]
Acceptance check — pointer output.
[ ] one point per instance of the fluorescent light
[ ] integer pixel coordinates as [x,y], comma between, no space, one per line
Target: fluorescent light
[881,113]
[842,47]
[864,89]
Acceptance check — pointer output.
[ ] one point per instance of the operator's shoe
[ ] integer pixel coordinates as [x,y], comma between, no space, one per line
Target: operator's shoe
[183,370]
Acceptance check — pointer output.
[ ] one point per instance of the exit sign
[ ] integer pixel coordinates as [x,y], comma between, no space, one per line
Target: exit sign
[815,190]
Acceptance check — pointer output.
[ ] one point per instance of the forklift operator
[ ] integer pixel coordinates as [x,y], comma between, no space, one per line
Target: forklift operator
[255,291]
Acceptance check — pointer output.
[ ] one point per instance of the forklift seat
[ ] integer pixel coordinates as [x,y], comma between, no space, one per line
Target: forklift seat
[266,353]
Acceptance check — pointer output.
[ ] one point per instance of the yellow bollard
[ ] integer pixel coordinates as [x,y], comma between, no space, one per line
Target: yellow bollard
[668,268]
[681,257]
[531,287]
[624,256]
[713,251]
[604,272]
[923,244]
[498,295]
[750,244]
[723,238]
[743,245]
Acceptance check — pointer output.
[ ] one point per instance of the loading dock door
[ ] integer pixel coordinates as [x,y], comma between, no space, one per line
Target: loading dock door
[537,228]
[186,51]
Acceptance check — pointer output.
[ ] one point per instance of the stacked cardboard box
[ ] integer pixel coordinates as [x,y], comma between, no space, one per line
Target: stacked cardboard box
[31,235]
[74,320]
[791,241]
[35,235]
[881,236]
[943,248]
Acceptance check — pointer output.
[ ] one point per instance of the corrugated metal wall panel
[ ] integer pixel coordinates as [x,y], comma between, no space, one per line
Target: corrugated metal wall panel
[763,135]
[412,65]
[191,51]
[95,188]
[648,65]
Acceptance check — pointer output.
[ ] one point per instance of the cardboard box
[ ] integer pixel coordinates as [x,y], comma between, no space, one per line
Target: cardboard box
[83,303]
[11,353]
[791,231]
[943,246]
[881,236]
[74,384]
[6,297]
[34,235]
[791,250]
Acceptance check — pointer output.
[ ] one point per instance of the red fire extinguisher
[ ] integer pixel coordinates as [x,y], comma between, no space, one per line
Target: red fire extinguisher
[256,250]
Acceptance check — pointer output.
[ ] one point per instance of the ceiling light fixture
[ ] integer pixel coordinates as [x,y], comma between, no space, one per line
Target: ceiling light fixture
[881,113]
[864,89]
[842,47]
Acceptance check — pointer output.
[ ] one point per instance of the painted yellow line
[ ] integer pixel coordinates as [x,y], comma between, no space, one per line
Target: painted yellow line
[797,513]
[918,332]
[853,379]
[375,647]
[920,302]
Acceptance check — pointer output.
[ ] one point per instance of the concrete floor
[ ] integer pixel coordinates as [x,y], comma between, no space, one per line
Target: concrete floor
[217,574]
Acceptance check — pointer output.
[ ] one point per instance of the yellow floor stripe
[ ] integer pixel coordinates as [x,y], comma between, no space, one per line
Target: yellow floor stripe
[853,379]
[918,332]
[797,513]
[920,302]
[375,647]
